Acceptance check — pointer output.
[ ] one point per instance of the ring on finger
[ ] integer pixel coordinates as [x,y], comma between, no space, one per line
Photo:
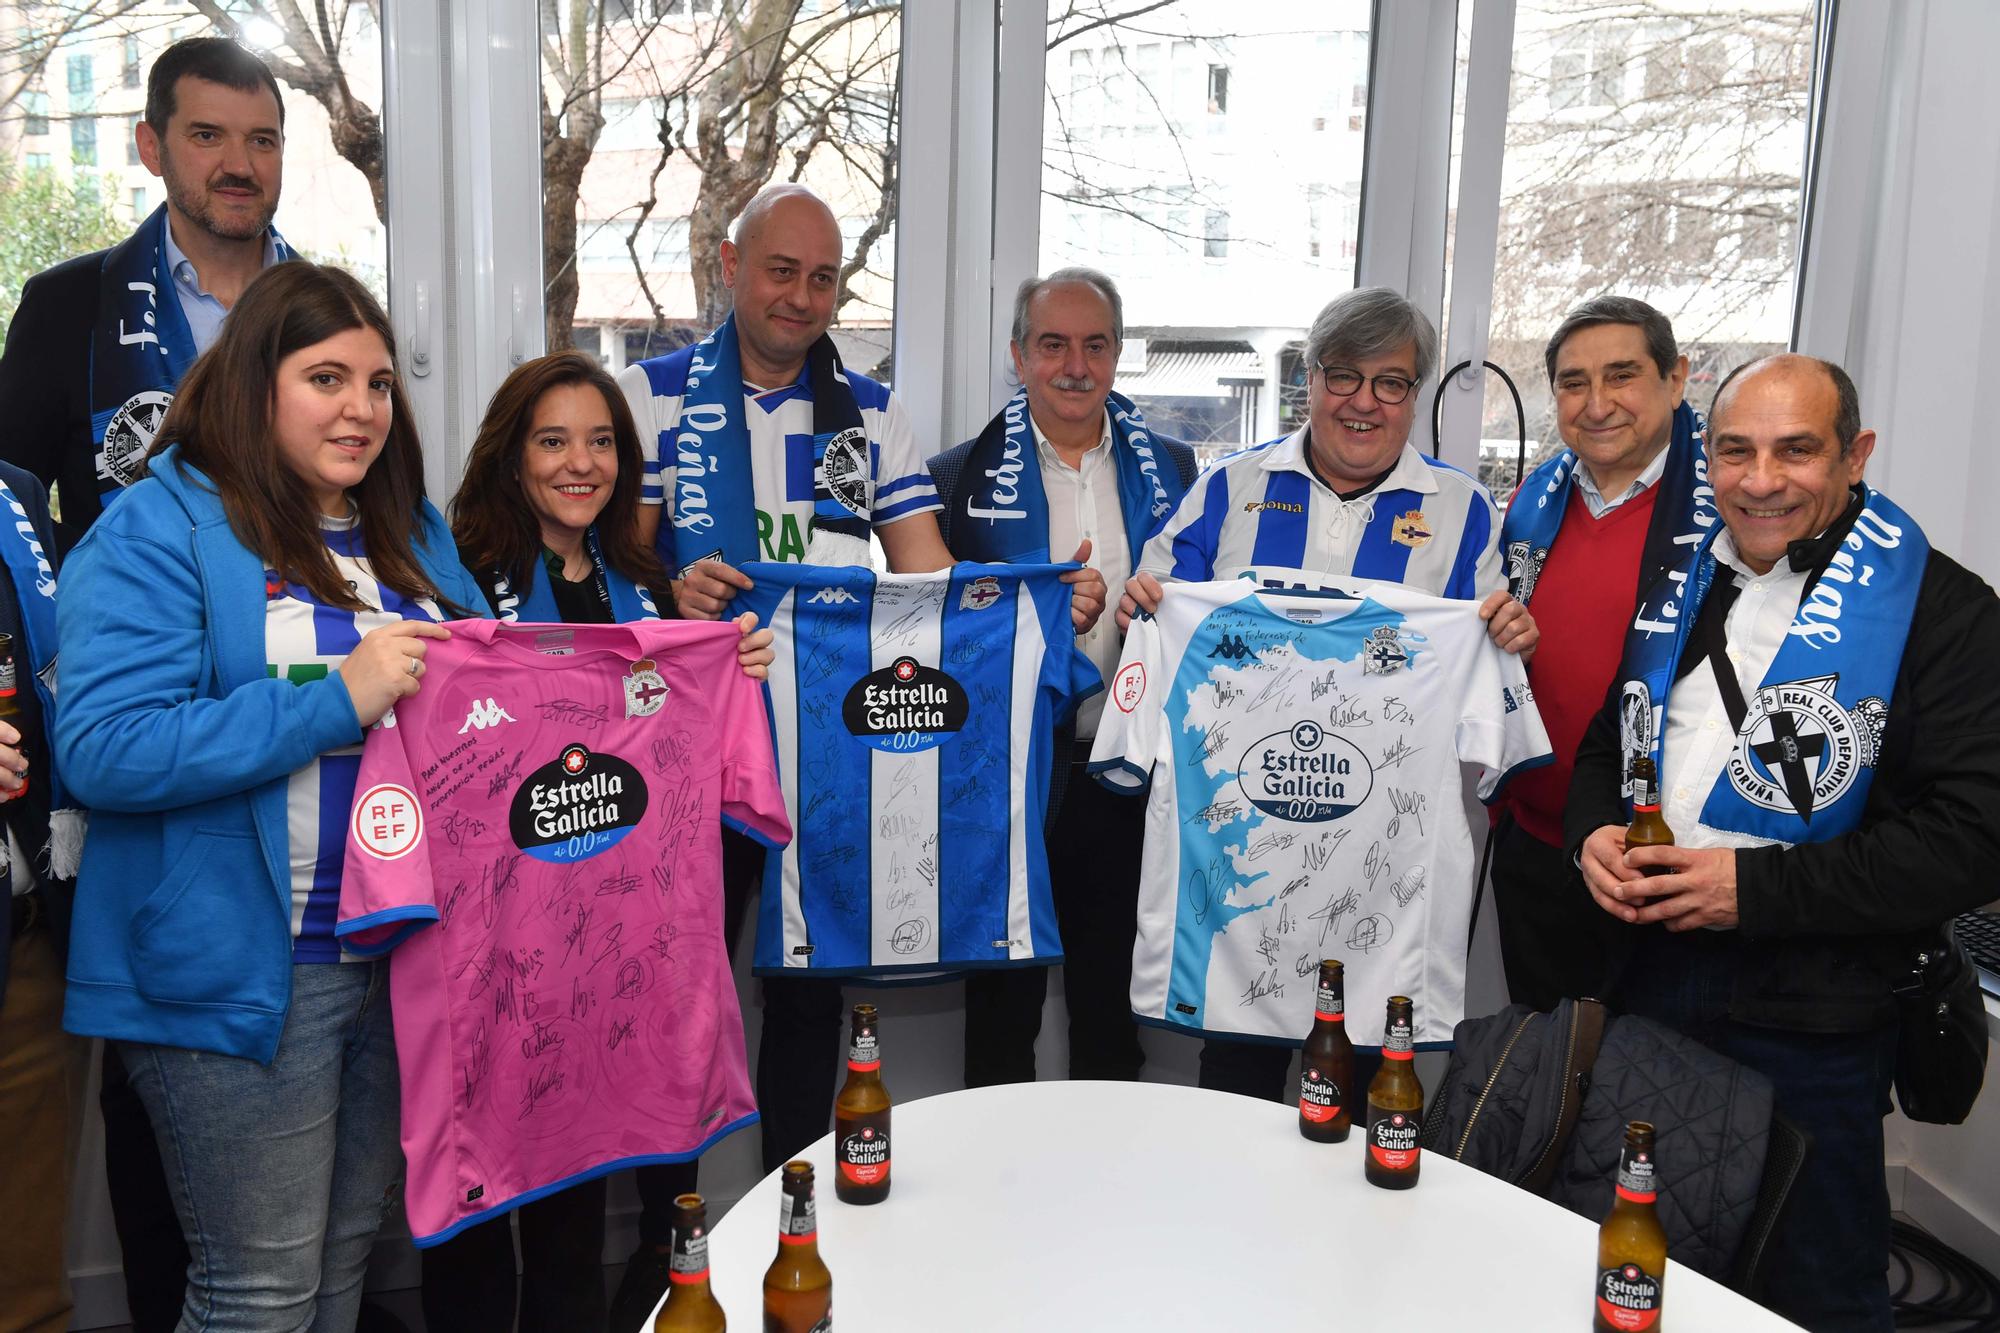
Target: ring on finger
[416,665]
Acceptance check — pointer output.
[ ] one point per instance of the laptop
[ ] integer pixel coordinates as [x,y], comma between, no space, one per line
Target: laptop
[1979,933]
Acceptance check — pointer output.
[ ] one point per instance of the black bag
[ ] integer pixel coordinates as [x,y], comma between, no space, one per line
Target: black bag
[1542,1100]
[1941,1035]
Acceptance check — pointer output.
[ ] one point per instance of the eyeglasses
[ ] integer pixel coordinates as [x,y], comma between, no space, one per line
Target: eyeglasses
[1342,382]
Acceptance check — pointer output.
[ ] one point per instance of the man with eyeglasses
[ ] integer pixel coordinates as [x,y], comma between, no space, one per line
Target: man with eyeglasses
[1588,531]
[1345,494]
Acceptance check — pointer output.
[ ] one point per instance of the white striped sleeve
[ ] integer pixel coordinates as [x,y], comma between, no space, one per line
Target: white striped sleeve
[654,454]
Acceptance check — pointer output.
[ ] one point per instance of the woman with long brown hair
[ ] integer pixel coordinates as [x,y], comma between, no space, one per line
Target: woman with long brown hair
[546,517]
[236,622]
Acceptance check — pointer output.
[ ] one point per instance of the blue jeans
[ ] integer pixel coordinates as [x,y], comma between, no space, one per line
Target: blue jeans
[282,1173]
[1827,1269]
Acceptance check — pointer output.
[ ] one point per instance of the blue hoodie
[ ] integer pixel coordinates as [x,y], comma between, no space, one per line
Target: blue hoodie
[170,729]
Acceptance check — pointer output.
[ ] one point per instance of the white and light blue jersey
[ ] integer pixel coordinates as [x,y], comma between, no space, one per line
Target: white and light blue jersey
[780,423]
[1303,748]
[306,639]
[913,717]
[1427,526]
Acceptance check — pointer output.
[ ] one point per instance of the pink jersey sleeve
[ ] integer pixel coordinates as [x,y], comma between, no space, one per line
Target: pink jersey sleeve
[752,802]
[385,886]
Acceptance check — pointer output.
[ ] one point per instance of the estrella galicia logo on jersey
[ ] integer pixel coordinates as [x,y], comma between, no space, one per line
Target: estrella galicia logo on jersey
[1306,775]
[1799,750]
[905,706]
[576,805]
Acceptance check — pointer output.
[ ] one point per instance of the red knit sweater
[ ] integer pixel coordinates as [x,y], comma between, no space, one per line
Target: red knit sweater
[1583,603]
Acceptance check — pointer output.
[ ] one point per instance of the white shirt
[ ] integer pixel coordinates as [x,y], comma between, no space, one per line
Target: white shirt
[1700,738]
[204,311]
[1594,499]
[1083,502]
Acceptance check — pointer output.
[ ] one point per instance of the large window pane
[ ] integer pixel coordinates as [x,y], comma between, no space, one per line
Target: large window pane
[1207,155]
[660,120]
[1653,150]
[77,69]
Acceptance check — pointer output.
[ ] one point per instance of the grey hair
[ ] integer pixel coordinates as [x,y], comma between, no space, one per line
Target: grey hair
[1371,321]
[1654,326]
[1089,277]
[1847,399]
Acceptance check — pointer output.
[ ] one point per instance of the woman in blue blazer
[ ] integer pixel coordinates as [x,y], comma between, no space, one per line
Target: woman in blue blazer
[235,623]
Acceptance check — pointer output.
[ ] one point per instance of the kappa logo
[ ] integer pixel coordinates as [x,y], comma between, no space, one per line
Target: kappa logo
[832,597]
[1799,750]
[485,713]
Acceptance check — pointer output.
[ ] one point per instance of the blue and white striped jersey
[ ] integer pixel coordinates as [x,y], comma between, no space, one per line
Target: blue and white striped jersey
[305,639]
[1428,526]
[913,717]
[1303,750]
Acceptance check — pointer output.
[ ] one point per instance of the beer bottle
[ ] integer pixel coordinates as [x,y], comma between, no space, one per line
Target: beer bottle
[691,1307]
[798,1291]
[861,1118]
[10,707]
[1649,827]
[1395,1105]
[1631,1247]
[1326,1067]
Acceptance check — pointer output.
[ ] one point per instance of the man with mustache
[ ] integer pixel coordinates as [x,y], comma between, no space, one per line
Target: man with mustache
[93,356]
[1067,465]
[99,342]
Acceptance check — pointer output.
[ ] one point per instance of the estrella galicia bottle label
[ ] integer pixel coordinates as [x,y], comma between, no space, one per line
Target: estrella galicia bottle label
[798,1220]
[1392,1138]
[864,1155]
[1396,1042]
[1635,1176]
[864,1052]
[1327,1004]
[690,1261]
[1628,1297]
[1319,1095]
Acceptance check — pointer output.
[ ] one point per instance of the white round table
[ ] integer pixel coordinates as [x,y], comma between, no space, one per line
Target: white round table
[1095,1206]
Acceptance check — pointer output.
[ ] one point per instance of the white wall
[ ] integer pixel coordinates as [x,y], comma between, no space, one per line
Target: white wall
[1903,267]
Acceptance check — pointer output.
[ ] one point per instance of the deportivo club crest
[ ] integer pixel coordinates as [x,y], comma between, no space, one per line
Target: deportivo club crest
[1799,749]
[129,436]
[645,692]
[1526,562]
[844,471]
[1384,652]
[1410,529]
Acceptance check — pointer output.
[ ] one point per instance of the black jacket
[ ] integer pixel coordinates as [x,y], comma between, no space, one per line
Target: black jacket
[45,388]
[1828,924]
[948,467]
[27,815]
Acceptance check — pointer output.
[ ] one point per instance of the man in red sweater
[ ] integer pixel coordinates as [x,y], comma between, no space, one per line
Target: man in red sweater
[1587,532]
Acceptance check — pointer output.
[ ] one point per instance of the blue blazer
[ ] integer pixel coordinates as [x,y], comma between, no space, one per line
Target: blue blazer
[173,733]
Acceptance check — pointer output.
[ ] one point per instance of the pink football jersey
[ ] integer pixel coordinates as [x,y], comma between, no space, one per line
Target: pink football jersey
[551,804]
